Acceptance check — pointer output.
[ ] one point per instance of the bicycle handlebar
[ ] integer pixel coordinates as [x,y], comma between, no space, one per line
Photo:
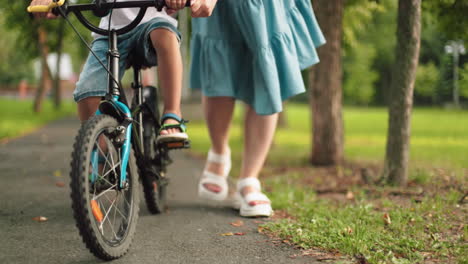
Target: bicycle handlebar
[78,8]
[45,8]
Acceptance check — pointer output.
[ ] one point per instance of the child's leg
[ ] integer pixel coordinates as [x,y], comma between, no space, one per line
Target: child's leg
[87,107]
[170,71]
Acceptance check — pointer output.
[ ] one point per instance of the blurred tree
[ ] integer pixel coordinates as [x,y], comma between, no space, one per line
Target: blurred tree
[357,19]
[427,77]
[464,81]
[359,76]
[27,38]
[359,54]
[401,97]
[32,39]
[450,16]
[45,70]
[14,65]
[325,82]
[56,87]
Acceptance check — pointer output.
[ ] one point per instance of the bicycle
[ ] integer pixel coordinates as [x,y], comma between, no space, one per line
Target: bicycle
[104,169]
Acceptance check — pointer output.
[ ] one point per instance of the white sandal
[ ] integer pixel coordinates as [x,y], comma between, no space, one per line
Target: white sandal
[246,209]
[212,178]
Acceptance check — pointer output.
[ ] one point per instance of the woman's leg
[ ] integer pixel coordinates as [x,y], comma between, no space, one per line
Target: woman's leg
[218,115]
[258,135]
[170,71]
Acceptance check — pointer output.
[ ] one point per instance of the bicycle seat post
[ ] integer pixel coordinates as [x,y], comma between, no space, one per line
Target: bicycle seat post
[113,58]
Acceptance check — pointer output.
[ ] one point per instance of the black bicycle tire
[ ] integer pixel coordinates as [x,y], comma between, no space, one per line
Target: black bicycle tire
[78,185]
[154,190]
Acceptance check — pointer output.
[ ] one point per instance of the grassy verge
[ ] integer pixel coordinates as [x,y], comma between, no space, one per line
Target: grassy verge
[18,117]
[331,209]
[373,225]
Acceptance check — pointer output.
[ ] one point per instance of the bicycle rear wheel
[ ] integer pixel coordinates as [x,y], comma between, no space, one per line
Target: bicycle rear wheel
[153,179]
[152,173]
[106,215]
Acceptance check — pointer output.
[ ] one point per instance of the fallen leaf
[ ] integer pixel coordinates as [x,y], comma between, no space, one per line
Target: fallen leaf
[40,219]
[260,229]
[57,173]
[239,233]
[237,223]
[299,231]
[387,219]
[227,234]
[349,195]
[258,222]
[60,184]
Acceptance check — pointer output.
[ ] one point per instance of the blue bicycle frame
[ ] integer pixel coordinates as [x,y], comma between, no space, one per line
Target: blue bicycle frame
[113,58]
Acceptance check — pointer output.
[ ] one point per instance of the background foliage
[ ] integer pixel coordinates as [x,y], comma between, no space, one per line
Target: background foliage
[368,49]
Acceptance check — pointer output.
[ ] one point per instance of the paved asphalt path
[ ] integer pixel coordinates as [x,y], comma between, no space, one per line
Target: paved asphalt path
[31,167]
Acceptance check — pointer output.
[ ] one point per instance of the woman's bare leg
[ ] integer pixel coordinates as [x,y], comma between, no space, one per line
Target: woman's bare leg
[218,115]
[258,136]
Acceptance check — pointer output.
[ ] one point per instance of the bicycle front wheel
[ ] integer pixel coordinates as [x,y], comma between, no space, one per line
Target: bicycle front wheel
[106,214]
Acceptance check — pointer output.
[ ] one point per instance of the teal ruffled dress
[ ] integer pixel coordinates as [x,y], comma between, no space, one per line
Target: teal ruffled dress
[254,51]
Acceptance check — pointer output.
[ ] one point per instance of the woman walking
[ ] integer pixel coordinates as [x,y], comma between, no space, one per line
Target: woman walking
[252,51]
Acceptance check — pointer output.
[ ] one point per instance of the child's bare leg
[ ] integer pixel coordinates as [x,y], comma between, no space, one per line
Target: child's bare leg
[170,71]
[87,107]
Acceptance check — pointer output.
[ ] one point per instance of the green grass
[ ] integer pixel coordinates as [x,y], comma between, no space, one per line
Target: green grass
[439,137]
[420,227]
[18,117]
[418,230]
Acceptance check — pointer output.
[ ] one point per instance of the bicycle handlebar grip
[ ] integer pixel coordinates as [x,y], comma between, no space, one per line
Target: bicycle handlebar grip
[45,8]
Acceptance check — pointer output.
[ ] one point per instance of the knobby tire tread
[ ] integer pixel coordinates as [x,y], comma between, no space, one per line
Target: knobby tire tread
[78,191]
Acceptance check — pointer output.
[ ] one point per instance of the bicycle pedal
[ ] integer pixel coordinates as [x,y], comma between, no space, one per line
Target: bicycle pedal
[176,145]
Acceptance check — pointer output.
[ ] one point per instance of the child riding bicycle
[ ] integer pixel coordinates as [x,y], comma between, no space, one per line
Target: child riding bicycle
[155,41]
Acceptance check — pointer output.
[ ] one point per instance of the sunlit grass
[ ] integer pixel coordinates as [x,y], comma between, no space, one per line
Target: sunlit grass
[439,137]
[420,229]
[18,117]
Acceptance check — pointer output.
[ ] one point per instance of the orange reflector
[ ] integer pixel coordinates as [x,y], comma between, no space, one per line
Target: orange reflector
[175,144]
[96,211]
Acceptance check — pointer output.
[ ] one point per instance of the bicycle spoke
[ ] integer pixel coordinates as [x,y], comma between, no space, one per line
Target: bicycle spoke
[116,209]
[105,191]
[108,219]
[107,213]
[125,200]
[101,151]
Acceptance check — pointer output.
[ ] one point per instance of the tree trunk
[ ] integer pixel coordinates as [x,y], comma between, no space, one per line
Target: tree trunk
[57,80]
[325,80]
[45,71]
[401,96]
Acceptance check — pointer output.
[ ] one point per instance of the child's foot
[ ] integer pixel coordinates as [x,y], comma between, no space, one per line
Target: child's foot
[172,129]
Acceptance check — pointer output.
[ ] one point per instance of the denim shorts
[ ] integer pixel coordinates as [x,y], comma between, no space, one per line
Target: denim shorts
[136,43]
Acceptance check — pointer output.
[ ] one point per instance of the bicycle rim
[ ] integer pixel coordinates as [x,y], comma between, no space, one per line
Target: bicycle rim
[106,214]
